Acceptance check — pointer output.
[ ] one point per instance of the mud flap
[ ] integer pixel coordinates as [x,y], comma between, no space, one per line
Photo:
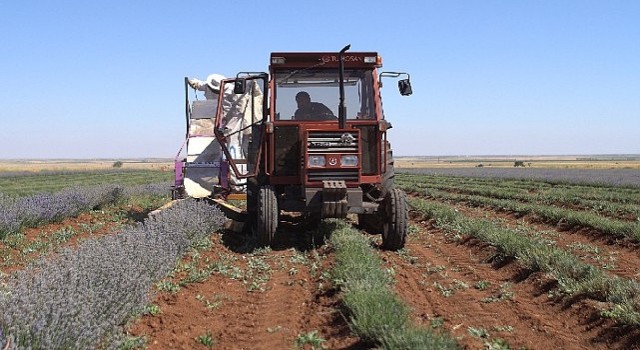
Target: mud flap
[334,199]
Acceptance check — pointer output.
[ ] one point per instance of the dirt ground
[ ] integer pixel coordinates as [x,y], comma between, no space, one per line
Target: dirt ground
[478,299]
[458,287]
[276,299]
[295,299]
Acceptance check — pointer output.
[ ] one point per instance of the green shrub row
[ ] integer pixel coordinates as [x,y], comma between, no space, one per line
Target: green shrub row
[602,192]
[574,277]
[376,314]
[603,206]
[569,217]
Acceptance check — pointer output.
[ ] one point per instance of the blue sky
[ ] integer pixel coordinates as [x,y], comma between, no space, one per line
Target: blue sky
[104,79]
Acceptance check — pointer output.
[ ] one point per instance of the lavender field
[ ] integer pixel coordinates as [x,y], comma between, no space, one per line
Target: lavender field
[38,209]
[82,297]
[23,183]
[89,294]
[79,297]
[615,177]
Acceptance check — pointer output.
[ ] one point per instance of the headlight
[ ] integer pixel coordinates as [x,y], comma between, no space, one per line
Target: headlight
[317,161]
[349,160]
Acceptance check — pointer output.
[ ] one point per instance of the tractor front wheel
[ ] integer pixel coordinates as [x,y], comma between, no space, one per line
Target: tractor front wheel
[266,221]
[396,214]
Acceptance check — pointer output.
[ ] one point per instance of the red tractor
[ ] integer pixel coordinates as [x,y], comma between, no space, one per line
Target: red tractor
[314,141]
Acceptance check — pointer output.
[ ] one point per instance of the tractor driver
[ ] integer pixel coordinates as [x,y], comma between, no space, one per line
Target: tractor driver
[308,110]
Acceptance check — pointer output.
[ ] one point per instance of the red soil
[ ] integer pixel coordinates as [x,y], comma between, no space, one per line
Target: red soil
[457,287]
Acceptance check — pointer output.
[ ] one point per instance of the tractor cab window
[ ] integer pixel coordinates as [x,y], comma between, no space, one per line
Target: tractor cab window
[314,94]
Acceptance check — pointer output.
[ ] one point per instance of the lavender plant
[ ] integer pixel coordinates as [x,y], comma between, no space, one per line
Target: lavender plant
[42,208]
[30,183]
[80,299]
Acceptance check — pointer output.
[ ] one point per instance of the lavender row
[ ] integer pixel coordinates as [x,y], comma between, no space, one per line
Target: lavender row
[50,172]
[42,208]
[612,177]
[81,298]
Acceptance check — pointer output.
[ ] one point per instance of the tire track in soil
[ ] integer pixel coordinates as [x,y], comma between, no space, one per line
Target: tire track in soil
[439,278]
[291,304]
[621,256]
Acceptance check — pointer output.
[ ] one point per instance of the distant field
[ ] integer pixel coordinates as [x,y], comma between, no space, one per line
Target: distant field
[560,162]
[609,177]
[617,171]
[82,164]
[29,183]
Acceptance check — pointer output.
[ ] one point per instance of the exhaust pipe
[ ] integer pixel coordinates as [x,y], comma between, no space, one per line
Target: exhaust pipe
[342,109]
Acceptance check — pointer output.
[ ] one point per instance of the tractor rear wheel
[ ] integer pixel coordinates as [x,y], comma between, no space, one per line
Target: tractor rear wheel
[266,221]
[396,212]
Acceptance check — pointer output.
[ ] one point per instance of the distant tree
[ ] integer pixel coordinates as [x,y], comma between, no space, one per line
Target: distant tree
[117,164]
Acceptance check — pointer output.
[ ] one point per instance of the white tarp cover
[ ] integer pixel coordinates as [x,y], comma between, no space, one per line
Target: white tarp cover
[203,115]
[237,120]
[203,150]
[203,166]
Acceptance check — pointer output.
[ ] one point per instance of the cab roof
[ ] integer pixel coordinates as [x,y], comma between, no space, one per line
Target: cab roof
[284,60]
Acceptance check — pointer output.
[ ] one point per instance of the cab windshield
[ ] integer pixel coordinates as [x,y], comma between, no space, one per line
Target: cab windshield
[314,94]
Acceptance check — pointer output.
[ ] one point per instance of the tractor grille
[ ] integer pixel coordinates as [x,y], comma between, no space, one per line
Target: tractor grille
[321,175]
[332,142]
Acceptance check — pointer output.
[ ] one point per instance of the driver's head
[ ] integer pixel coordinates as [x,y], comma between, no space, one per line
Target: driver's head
[303,99]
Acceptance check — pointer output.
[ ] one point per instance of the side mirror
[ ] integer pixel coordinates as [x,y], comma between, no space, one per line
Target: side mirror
[239,87]
[404,86]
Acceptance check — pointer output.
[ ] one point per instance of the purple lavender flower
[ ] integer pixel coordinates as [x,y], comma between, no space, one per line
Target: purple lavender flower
[83,296]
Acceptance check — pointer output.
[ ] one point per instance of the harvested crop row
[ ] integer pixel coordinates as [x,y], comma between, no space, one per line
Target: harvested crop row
[604,192]
[617,257]
[460,285]
[574,277]
[522,181]
[615,228]
[629,178]
[554,197]
[234,296]
[283,298]
[377,315]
